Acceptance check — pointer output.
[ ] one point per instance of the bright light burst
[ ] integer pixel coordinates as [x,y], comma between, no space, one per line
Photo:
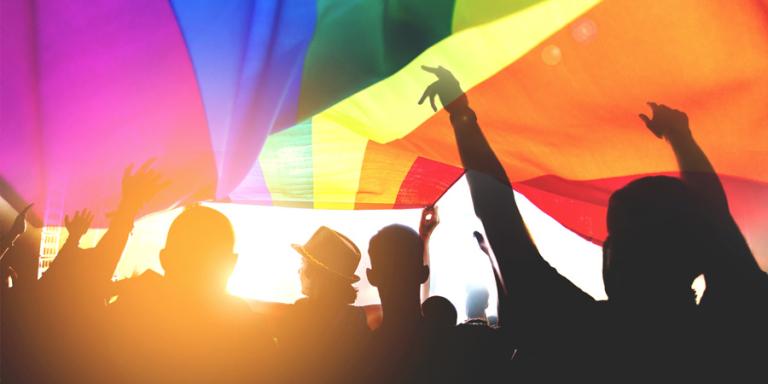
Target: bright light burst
[267,267]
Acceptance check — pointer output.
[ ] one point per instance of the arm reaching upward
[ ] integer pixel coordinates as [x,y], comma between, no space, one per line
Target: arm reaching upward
[429,220]
[491,190]
[476,153]
[734,264]
[17,229]
[138,189]
[527,276]
[93,267]
[77,226]
[501,288]
[695,169]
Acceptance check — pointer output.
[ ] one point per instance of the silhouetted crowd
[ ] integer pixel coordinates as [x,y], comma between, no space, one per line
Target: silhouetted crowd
[76,325]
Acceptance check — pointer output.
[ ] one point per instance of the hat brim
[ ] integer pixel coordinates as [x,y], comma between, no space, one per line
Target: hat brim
[303,252]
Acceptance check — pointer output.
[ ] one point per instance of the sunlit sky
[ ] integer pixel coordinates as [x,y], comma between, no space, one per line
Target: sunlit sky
[267,266]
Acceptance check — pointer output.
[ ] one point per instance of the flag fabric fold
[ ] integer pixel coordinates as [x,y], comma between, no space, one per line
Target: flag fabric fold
[313,103]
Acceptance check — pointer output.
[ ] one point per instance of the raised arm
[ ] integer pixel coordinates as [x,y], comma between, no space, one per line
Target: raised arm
[137,189]
[491,190]
[66,259]
[526,275]
[429,220]
[501,288]
[77,226]
[17,229]
[95,266]
[695,169]
[733,265]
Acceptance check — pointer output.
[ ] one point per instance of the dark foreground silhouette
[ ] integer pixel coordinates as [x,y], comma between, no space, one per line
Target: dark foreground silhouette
[77,325]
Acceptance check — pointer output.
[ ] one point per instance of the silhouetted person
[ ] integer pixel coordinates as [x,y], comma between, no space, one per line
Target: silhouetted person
[71,298]
[321,337]
[66,322]
[439,313]
[18,352]
[17,229]
[400,349]
[484,352]
[184,327]
[735,303]
[663,232]
[481,353]
[477,303]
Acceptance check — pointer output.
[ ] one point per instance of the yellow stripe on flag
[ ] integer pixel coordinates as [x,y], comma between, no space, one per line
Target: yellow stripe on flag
[387,110]
[337,156]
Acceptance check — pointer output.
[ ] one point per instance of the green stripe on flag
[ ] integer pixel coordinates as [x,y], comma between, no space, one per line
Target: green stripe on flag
[286,161]
[358,43]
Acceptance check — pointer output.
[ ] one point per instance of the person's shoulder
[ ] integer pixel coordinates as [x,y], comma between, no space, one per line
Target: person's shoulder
[355,311]
[357,318]
[140,290]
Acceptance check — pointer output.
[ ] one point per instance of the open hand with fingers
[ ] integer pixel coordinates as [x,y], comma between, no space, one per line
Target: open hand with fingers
[667,123]
[141,186]
[78,225]
[446,88]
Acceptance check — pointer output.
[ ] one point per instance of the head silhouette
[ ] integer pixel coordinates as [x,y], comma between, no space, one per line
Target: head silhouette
[319,284]
[199,250]
[397,269]
[439,313]
[477,302]
[329,262]
[397,259]
[655,246]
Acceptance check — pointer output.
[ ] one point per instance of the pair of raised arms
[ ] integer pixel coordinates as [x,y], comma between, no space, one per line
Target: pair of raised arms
[664,122]
[137,188]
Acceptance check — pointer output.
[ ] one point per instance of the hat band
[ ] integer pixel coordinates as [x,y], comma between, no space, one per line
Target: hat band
[305,253]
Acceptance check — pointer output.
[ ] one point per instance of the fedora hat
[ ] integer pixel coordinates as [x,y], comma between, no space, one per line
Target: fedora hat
[333,252]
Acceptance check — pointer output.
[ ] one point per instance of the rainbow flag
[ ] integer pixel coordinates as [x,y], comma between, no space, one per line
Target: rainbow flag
[313,103]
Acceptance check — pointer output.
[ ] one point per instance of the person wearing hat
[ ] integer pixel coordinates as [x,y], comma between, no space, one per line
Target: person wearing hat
[322,333]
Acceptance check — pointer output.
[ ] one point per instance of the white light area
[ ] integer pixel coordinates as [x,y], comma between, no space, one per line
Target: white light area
[699,286]
[267,267]
[457,263]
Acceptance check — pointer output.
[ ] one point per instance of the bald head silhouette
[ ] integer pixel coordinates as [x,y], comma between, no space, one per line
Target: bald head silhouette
[397,254]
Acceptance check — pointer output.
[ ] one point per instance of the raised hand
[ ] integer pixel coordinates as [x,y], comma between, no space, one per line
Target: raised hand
[19,225]
[141,186]
[429,220]
[18,228]
[667,123]
[79,224]
[446,87]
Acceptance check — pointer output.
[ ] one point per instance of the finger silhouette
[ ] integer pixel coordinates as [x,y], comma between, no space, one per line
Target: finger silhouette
[147,164]
[127,171]
[425,94]
[432,101]
[432,70]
